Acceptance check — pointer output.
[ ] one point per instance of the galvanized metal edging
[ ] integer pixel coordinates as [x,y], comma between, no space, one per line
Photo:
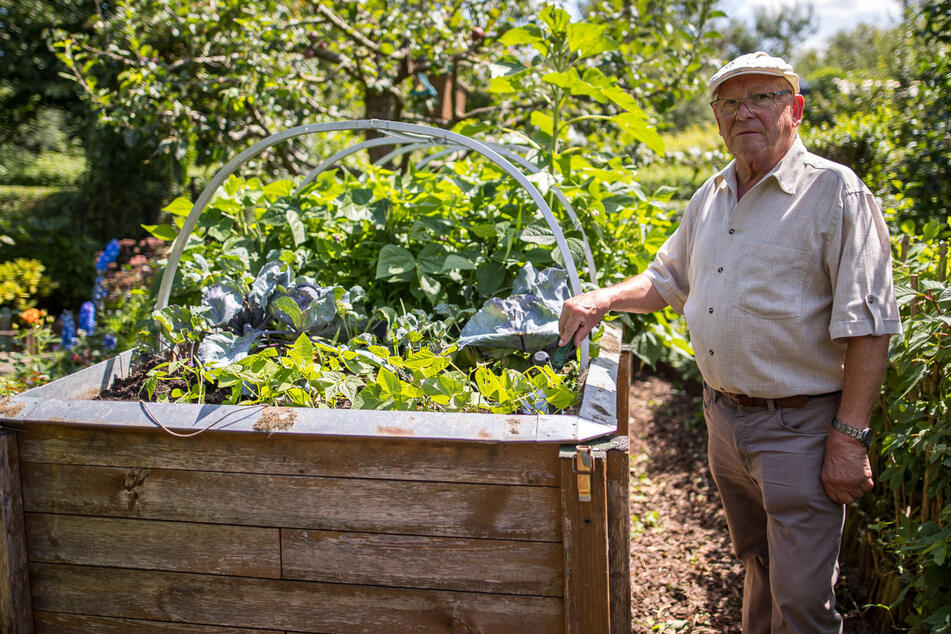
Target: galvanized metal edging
[67,401]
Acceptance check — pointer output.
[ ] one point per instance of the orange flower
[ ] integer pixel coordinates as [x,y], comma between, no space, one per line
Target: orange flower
[32,316]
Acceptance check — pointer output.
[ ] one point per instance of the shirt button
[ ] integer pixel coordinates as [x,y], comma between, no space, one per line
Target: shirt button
[871,299]
[710,310]
[710,352]
[719,269]
[732,231]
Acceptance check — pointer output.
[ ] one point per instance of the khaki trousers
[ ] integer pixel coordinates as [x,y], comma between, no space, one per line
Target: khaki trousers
[766,462]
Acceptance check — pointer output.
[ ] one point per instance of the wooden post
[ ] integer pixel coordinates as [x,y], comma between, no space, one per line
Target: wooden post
[585,537]
[619,533]
[624,391]
[16,613]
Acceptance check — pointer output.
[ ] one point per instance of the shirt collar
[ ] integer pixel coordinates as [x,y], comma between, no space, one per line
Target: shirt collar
[786,173]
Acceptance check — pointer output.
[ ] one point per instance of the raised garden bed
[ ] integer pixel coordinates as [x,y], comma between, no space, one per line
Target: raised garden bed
[312,520]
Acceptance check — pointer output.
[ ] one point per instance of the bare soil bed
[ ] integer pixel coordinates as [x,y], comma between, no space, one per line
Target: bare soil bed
[684,576]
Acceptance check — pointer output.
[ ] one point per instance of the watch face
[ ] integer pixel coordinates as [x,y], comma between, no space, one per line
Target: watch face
[867,436]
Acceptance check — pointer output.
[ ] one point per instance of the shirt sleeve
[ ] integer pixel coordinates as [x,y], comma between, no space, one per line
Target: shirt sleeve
[861,271]
[669,270]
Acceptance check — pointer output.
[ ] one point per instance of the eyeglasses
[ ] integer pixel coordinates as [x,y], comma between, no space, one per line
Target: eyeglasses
[758,101]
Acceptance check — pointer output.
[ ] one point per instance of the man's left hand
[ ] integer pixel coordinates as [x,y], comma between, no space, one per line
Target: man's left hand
[846,472]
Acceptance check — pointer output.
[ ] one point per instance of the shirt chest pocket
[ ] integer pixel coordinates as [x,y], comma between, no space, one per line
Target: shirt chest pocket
[772,280]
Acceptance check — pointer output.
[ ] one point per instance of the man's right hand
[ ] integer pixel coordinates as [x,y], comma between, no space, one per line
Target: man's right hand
[581,314]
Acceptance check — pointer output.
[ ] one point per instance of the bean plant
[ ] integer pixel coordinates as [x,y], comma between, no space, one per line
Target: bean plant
[911,515]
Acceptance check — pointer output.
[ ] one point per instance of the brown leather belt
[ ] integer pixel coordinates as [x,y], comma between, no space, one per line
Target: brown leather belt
[754,401]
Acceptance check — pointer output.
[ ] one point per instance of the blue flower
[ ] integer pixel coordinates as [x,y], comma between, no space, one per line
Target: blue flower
[109,342]
[69,330]
[87,317]
[108,256]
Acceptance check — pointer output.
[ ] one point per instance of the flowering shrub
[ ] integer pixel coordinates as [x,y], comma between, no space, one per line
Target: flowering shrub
[22,281]
[118,308]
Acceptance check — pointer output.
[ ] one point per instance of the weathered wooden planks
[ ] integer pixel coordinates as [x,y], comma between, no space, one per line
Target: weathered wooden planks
[477,565]
[286,605]
[246,551]
[350,504]
[52,623]
[15,609]
[388,458]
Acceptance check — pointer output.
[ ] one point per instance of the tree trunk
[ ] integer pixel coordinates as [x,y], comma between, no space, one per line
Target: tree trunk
[381,104]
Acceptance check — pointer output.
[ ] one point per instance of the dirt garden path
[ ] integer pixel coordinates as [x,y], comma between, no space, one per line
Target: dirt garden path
[684,575]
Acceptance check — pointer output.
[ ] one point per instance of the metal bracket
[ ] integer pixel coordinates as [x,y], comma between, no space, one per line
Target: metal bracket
[581,466]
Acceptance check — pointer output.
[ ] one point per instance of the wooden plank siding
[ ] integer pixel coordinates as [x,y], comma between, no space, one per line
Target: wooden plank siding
[529,464]
[246,551]
[478,565]
[349,504]
[60,623]
[134,530]
[285,605]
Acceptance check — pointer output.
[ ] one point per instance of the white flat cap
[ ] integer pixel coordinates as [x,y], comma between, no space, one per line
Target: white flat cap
[758,63]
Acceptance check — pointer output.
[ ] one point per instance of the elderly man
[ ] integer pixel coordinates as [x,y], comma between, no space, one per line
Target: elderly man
[781,266]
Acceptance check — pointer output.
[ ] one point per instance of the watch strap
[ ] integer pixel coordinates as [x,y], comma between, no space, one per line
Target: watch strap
[864,436]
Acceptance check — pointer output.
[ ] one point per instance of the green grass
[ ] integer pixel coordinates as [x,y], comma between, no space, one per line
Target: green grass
[21,167]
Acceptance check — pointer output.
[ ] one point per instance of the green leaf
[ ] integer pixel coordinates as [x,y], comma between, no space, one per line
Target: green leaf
[395,264]
[298,233]
[454,262]
[543,122]
[634,126]
[303,350]
[179,207]
[162,232]
[289,307]
[431,258]
[389,382]
[568,80]
[505,84]
[589,39]
[517,36]
[556,18]
[430,287]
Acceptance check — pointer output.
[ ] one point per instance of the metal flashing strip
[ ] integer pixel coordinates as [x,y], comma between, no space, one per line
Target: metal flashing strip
[69,400]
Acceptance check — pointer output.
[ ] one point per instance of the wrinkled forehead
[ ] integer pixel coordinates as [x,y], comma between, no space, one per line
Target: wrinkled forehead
[746,84]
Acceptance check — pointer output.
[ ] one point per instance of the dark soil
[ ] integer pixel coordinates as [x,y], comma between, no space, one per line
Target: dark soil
[685,577]
[132,388]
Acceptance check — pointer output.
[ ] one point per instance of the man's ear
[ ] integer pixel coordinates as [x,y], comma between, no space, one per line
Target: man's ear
[799,106]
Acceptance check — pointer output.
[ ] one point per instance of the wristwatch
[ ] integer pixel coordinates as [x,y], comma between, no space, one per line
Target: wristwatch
[864,436]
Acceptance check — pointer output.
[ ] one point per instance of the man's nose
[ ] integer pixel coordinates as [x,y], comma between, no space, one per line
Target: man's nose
[740,109]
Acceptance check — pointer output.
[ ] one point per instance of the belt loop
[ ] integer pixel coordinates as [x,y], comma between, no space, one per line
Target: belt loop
[771,405]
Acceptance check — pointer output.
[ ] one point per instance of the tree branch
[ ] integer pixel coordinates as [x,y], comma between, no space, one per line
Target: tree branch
[338,22]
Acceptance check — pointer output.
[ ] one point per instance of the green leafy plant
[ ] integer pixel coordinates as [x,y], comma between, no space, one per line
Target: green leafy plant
[913,426]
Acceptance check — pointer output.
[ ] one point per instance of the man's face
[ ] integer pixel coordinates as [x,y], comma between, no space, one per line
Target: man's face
[757,134]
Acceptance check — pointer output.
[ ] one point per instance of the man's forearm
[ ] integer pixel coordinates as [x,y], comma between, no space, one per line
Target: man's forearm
[582,313]
[865,361]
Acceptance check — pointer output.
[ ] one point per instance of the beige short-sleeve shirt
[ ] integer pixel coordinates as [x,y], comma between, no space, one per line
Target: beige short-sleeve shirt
[772,285]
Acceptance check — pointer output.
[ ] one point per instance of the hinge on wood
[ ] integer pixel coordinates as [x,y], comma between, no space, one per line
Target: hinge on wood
[582,467]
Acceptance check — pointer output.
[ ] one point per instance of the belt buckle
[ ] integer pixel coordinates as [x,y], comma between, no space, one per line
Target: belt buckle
[733,398]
